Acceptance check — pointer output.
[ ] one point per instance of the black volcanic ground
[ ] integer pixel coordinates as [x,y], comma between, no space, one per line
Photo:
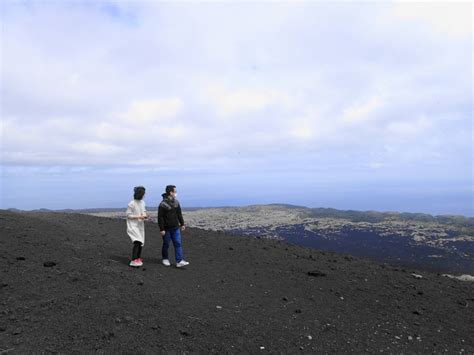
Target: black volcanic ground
[238,295]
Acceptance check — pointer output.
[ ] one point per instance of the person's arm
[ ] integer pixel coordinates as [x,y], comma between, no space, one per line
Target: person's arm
[161,218]
[180,216]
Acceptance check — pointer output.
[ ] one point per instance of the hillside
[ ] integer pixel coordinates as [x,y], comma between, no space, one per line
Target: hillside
[65,286]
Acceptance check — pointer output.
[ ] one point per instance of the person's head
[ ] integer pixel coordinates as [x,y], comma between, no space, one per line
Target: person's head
[171,191]
[138,192]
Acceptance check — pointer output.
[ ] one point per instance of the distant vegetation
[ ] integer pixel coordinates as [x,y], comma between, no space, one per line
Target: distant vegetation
[374,217]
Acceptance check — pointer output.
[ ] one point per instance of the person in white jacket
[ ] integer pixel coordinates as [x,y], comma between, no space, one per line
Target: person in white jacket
[136,216]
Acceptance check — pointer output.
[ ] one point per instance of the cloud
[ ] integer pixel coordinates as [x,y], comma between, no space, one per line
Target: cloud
[299,85]
[451,18]
[227,102]
[96,148]
[151,110]
[361,112]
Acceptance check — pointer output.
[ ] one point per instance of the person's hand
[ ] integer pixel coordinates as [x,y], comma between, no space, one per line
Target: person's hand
[183,228]
[162,232]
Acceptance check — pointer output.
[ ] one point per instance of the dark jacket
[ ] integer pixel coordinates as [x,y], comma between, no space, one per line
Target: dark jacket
[169,214]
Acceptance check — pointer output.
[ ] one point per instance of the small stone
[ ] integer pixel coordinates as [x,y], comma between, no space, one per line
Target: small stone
[410,337]
[185,333]
[219,307]
[49,263]
[298,310]
[2,328]
[20,258]
[316,273]
[17,331]
[140,283]
[285,299]
[262,348]
[310,337]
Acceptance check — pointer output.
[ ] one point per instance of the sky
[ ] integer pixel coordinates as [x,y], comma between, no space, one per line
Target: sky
[348,105]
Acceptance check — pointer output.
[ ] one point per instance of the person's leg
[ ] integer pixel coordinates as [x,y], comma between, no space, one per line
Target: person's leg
[178,248]
[166,245]
[136,249]
[140,251]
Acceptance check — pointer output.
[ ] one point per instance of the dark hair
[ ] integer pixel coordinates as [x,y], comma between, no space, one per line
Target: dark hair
[169,189]
[138,192]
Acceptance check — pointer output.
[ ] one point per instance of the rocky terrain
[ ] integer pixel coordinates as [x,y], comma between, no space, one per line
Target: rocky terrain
[444,244]
[65,286]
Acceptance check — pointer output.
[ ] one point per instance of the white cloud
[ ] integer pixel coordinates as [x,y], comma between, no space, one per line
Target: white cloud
[361,112]
[295,79]
[227,102]
[412,128]
[96,148]
[151,110]
[302,130]
[453,18]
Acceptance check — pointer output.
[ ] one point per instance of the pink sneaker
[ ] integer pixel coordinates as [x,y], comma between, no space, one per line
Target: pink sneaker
[136,263]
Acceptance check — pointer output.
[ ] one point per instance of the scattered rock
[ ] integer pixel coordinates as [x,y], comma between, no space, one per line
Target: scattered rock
[140,283]
[417,276]
[417,312]
[17,331]
[185,333]
[316,273]
[49,263]
[298,310]
[219,307]
[285,299]
[468,278]
[20,258]
[2,328]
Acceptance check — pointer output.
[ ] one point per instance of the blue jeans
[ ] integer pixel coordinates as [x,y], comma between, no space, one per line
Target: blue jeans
[175,236]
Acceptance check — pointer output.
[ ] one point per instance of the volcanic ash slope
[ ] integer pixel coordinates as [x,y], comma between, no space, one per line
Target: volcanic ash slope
[66,286]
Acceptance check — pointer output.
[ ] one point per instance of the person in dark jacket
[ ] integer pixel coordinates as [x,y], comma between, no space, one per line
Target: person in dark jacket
[171,223]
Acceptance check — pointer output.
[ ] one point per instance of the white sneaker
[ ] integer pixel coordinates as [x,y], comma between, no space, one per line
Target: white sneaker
[166,262]
[136,263]
[182,263]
